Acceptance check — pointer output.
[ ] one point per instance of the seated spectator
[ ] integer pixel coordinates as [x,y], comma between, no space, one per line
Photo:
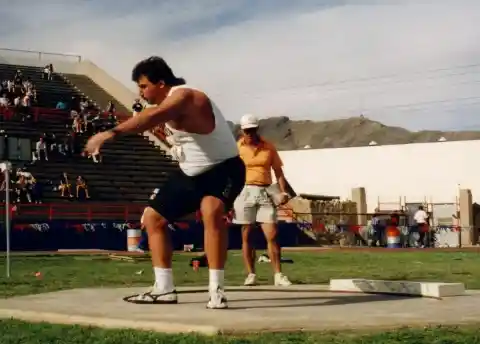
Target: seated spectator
[65,148]
[23,189]
[65,185]
[18,78]
[111,121]
[50,141]
[84,104]
[28,84]
[77,124]
[61,106]
[110,108]
[4,102]
[3,187]
[41,149]
[25,108]
[10,86]
[82,186]
[37,190]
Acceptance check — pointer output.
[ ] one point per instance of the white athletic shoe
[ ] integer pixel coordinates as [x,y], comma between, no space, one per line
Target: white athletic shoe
[282,281]
[251,280]
[156,296]
[217,299]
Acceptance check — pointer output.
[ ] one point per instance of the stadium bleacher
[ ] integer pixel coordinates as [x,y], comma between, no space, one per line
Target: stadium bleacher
[131,168]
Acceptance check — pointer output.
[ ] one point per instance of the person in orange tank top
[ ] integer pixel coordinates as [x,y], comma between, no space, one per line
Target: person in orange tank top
[254,204]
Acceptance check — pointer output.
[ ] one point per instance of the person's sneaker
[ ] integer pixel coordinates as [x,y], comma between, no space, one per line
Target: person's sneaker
[282,281]
[251,280]
[156,296]
[217,299]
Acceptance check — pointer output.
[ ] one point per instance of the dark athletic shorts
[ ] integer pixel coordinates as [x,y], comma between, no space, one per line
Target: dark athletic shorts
[181,195]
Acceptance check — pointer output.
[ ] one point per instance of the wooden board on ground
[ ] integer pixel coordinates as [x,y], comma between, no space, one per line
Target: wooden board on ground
[130,259]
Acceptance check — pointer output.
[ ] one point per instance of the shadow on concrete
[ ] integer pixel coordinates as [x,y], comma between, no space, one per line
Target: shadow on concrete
[310,301]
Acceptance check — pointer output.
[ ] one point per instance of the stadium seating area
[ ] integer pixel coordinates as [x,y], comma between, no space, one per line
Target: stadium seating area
[130,169]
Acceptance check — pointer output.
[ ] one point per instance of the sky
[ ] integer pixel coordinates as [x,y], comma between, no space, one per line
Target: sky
[414,64]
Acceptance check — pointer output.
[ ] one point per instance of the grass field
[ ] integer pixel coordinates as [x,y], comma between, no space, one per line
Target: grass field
[63,272]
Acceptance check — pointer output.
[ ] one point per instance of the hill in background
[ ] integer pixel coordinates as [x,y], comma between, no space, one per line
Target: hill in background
[350,132]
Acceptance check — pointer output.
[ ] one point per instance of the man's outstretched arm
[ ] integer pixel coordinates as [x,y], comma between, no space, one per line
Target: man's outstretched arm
[171,108]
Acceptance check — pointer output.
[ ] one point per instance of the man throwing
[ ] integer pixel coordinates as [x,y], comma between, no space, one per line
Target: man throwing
[211,173]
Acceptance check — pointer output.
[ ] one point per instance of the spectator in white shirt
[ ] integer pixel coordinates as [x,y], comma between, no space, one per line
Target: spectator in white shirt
[42,149]
[4,100]
[26,101]
[421,222]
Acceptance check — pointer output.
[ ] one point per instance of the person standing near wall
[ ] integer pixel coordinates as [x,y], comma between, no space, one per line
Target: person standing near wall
[421,222]
[254,204]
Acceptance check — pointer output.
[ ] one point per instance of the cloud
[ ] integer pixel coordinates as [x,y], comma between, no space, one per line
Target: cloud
[409,63]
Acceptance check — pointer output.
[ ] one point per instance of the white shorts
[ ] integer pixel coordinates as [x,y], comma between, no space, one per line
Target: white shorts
[254,205]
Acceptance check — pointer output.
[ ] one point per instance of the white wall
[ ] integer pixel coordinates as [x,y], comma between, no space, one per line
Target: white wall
[416,171]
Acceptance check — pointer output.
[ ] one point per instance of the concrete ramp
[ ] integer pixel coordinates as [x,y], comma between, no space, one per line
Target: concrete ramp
[412,288]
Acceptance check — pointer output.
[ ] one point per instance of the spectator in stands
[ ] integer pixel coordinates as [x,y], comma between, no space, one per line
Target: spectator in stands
[110,108]
[3,186]
[65,148]
[34,97]
[37,191]
[84,105]
[23,189]
[25,108]
[82,186]
[256,203]
[111,121]
[75,104]
[61,106]
[4,100]
[47,72]
[10,86]
[28,84]
[41,149]
[18,78]
[65,185]
[77,124]
[50,142]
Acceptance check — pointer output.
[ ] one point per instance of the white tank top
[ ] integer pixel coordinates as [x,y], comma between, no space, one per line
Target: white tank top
[197,153]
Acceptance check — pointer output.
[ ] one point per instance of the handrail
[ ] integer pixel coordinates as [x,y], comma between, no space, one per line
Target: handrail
[52,211]
[41,54]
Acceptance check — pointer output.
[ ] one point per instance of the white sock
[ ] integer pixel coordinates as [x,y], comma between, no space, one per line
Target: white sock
[216,279]
[163,279]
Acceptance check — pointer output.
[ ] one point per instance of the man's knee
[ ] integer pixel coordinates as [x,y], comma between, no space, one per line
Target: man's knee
[246,233]
[153,221]
[270,231]
[213,211]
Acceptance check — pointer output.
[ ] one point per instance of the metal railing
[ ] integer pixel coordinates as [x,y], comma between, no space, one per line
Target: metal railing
[40,55]
[87,212]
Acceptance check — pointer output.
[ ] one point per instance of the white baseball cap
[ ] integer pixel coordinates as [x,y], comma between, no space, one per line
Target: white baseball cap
[248,122]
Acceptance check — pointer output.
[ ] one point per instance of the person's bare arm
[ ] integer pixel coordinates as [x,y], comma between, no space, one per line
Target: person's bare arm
[282,181]
[277,165]
[171,108]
